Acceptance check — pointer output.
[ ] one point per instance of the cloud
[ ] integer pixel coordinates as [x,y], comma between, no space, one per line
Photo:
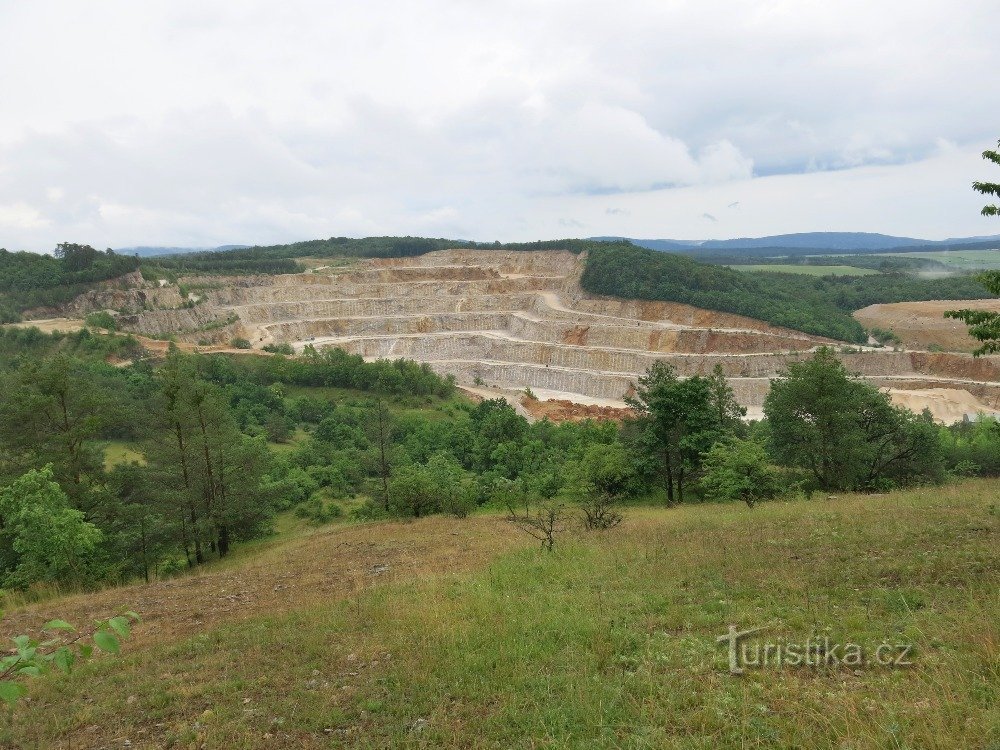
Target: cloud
[208,122]
[709,217]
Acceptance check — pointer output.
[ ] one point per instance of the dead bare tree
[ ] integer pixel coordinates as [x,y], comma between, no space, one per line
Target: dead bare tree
[599,512]
[542,521]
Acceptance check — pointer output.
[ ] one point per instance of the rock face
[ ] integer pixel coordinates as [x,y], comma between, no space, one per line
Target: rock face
[515,320]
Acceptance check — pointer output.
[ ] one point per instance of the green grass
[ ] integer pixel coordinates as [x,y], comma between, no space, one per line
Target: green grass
[120,452]
[968,260]
[609,642]
[432,407]
[294,439]
[809,270]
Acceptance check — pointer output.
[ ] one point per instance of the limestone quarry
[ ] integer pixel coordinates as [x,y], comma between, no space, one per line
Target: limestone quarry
[502,322]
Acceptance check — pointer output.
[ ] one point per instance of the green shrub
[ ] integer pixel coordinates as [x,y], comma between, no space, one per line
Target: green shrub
[102,319]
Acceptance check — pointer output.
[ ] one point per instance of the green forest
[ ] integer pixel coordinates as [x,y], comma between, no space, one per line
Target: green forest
[821,306]
[30,280]
[212,451]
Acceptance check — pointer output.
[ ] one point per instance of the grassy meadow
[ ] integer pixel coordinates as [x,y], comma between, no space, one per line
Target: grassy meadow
[965,260]
[459,633]
[807,270]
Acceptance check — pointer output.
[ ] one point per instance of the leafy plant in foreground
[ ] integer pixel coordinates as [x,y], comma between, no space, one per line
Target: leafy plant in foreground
[63,647]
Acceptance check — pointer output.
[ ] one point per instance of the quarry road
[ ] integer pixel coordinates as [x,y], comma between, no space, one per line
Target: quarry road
[331,563]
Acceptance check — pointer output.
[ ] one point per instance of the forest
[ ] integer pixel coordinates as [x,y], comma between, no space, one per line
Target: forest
[30,280]
[155,466]
[818,305]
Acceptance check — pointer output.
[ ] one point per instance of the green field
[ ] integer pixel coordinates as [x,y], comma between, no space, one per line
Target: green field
[120,452]
[808,270]
[968,260]
[475,638]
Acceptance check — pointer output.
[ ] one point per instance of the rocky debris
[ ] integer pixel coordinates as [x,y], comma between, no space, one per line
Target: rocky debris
[561,410]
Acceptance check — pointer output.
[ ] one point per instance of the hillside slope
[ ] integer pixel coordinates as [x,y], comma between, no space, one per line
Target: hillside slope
[448,633]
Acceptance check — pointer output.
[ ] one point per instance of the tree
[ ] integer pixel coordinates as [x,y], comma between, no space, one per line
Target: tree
[210,476]
[846,433]
[453,485]
[543,520]
[679,420]
[984,325]
[49,540]
[740,470]
[76,257]
[52,411]
[378,427]
[412,491]
[608,476]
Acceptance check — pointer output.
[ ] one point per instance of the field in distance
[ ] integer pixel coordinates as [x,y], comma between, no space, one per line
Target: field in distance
[809,270]
[966,260]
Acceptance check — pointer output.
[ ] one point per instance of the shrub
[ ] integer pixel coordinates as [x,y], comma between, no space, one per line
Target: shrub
[739,470]
[101,319]
[241,343]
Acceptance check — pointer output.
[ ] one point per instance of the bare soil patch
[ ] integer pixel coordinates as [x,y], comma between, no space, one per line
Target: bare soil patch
[922,325]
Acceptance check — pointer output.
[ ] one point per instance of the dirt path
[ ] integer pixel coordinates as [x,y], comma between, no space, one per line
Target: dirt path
[329,564]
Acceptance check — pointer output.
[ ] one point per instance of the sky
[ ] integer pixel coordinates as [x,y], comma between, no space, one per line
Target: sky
[201,123]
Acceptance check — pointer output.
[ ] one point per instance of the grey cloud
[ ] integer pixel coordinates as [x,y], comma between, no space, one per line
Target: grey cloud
[207,122]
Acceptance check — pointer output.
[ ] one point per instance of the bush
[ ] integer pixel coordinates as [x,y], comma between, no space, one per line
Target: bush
[283,348]
[739,470]
[241,343]
[102,319]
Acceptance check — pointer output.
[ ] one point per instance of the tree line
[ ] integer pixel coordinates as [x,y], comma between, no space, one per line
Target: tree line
[818,305]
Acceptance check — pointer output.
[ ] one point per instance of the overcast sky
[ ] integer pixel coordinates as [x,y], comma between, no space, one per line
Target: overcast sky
[201,123]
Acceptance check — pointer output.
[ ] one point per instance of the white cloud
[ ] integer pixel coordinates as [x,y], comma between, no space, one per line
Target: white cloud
[20,216]
[201,122]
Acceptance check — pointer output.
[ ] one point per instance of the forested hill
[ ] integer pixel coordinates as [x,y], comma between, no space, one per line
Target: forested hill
[816,305]
[30,280]
[279,258]
[810,243]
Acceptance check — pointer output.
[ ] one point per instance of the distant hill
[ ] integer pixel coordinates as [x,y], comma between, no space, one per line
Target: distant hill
[807,241]
[144,251]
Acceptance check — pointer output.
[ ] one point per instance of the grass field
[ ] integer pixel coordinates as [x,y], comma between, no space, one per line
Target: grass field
[968,260]
[809,270]
[120,452]
[457,633]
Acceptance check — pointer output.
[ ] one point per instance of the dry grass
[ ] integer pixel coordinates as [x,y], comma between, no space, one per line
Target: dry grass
[326,564]
[481,641]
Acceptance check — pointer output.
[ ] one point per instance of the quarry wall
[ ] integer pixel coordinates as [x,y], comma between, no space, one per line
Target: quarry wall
[515,320]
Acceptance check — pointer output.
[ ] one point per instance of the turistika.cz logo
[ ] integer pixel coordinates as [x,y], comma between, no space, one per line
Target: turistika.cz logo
[817,652]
